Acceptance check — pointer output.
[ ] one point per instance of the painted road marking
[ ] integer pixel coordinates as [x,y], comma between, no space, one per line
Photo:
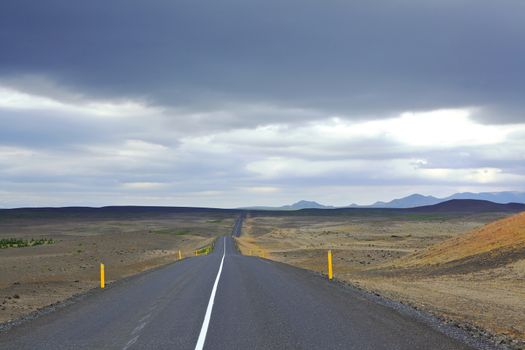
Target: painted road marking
[131,342]
[206,323]
[144,318]
[139,328]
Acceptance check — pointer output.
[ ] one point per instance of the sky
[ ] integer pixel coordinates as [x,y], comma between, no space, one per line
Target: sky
[237,103]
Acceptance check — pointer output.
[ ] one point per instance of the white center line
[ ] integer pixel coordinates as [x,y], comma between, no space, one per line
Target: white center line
[139,328]
[131,342]
[207,316]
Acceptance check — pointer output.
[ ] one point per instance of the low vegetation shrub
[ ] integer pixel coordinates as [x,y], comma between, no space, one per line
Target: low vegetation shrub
[205,250]
[21,243]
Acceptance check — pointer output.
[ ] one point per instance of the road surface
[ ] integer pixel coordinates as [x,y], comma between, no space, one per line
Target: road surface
[237,226]
[226,301]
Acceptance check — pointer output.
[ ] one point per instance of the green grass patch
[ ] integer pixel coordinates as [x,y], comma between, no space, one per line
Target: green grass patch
[21,243]
[205,250]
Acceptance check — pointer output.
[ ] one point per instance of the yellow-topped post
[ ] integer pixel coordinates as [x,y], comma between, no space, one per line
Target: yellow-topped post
[102,276]
[330,271]
[180,255]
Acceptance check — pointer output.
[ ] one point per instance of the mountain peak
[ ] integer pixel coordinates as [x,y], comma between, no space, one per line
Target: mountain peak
[304,204]
[413,200]
[417,195]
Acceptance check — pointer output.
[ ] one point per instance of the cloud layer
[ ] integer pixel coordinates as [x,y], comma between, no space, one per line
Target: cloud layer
[233,103]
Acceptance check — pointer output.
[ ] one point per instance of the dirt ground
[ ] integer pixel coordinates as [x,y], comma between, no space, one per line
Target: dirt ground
[34,277]
[485,300]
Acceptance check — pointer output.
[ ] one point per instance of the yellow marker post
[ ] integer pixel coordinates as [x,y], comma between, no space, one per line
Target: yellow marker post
[180,255]
[330,272]
[102,277]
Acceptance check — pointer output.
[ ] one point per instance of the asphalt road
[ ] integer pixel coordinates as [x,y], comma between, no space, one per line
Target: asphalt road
[237,226]
[256,304]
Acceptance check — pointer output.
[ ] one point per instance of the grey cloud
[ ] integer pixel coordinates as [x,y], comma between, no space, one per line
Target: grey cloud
[505,113]
[472,158]
[47,130]
[209,73]
[369,58]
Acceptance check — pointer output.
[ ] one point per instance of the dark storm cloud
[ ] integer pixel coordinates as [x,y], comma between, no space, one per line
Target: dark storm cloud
[362,59]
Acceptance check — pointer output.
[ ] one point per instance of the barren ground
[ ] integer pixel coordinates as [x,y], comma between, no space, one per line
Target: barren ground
[34,277]
[366,249]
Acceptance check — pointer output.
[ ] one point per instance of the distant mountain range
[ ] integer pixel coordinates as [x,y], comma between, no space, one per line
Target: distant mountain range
[414,200]
[418,200]
[308,208]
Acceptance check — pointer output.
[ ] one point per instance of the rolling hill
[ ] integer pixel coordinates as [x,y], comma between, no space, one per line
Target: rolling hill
[495,244]
[468,205]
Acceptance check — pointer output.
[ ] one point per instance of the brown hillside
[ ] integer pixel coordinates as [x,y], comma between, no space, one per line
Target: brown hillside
[501,238]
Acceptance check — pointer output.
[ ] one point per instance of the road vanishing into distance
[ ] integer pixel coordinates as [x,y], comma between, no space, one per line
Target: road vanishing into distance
[226,301]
